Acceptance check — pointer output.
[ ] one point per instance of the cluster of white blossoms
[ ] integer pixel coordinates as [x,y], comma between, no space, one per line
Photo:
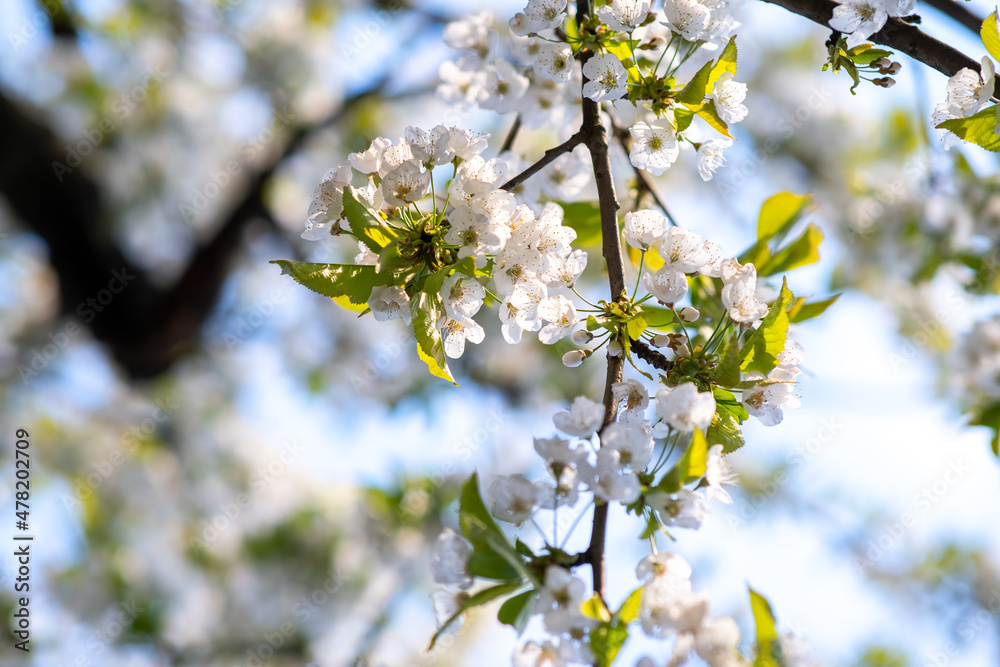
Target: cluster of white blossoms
[859,19]
[686,253]
[533,84]
[670,608]
[534,87]
[776,391]
[966,93]
[534,265]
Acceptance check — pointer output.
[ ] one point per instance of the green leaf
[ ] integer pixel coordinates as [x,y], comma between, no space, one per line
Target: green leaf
[990,416]
[475,600]
[334,280]
[711,116]
[864,54]
[682,118]
[725,63]
[991,38]
[694,92]
[474,519]
[585,219]
[629,611]
[605,642]
[728,372]
[760,352]
[807,311]
[485,535]
[572,31]
[426,311]
[780,212]
[725,427]
[596,609]
[767,633]
[636,326]
[369,229]
[853,71]
[977,128]
[516,612]
[800,252]
[691,467]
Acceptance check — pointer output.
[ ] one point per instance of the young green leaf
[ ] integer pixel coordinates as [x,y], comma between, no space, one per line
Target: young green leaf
[475,600]
[694,92]
[991,38]
[977,128]
[800,252]
[369,229]
[760,352]
[725,427]
[426,311]
[725,63]
[806,311]
[766,632]
[629,611]
[516,612]
[334,280]
[780,212]
[606,640]
[691,467]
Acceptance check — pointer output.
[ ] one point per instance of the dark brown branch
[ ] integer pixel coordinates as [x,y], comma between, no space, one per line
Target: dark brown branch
[957,12]
[895,34]
[651,356]
[547,158]
[596,138]
[508,143]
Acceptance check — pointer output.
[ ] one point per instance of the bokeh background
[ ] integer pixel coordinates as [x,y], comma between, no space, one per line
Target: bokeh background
[229,470]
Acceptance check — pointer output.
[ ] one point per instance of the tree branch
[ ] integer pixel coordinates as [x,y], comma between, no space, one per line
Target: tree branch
[547,158]
[958,13]
[596,138]
[651,356]
[895,34]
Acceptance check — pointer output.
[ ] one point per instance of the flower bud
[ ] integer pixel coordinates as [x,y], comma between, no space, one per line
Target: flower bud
[682,350]
[614,349]
[881,62]
[660,340]
[689,314]
[581,337]
[574,358]
[893,68]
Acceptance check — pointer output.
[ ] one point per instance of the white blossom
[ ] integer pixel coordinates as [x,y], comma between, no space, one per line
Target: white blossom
[463,295]
[624,15]
[406,184]
[450,559]
[370,160]
[633,444]
[688,18]
[504,88]
[389,302]
[739,292]
[729,96]
[710,156]
[685,408]
[609,479]
[645,227]
[554,62]
[472,33]
[654,147]
[606,78]
[717,473]
[466,143]
[667,284]
[430,147]
[327,205]
[582,419]
[859,18]
[684,509]
[515,498]
[560,313]
[683,250]
[457,331]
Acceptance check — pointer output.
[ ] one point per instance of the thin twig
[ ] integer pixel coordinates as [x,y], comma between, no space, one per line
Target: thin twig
[547,158]
[511,134]
[958,13]
[651,356]
[895,34]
